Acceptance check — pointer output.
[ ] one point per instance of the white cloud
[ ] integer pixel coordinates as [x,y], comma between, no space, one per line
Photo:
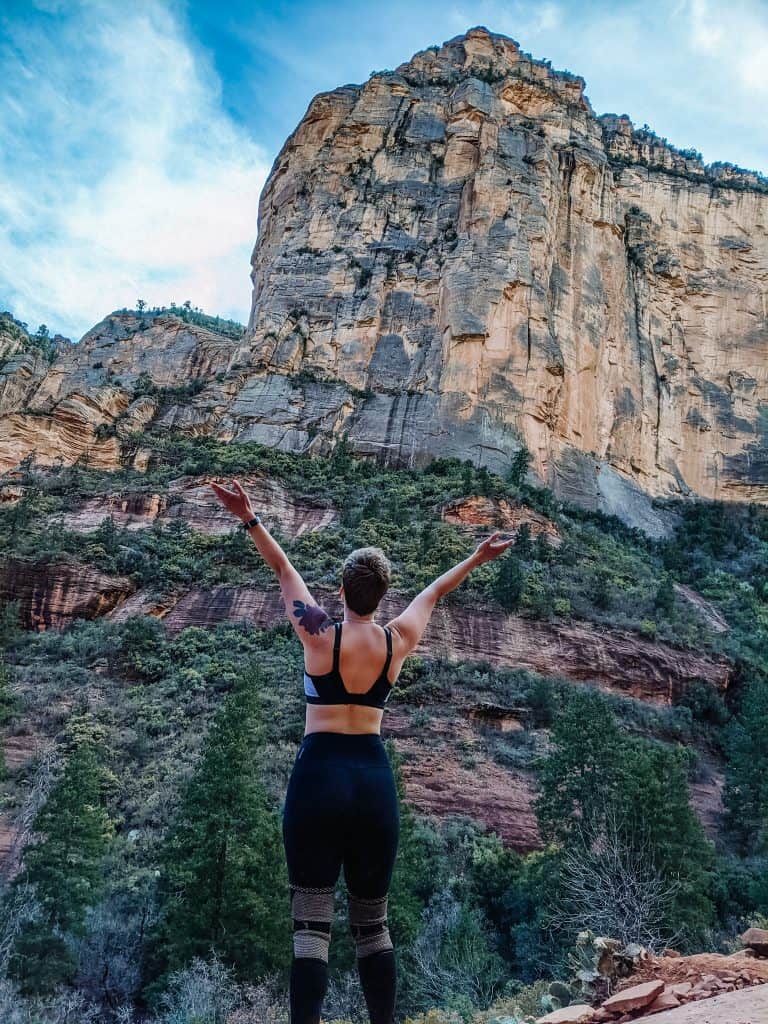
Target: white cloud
[737,36]
[520,19]
[126,178]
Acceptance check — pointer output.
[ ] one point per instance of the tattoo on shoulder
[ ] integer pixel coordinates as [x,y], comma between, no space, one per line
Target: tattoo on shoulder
[312,617]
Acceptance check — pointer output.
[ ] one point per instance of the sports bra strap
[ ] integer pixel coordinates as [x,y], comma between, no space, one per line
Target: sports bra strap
[389,650]
[336,646]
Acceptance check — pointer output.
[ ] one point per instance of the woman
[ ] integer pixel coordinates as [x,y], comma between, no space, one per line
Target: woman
[341,805]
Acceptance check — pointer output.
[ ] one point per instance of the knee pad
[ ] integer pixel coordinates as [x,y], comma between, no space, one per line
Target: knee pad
[312,912]
[368,922]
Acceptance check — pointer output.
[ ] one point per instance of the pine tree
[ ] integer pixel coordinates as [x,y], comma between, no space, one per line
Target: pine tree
[518,468]
[746,786]
[412,879]
[595,773]
[224,883]
[64,864]
[509,582]
[8,703]
[577,780]
[665,595]
[523,546]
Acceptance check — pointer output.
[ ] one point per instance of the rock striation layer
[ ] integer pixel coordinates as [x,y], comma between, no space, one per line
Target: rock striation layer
[52,593]
[614,659]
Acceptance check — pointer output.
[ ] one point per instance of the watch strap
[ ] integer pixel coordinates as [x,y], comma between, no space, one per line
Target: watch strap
[250,523]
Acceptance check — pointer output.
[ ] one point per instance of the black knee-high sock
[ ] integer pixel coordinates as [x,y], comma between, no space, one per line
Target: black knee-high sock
[379,980]
[309,981]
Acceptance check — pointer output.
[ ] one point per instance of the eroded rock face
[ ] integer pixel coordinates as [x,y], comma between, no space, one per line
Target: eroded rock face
[453,257]
[51,594]
[192,501]
[500,514]
[618,660]
[467,239]
[89,400]
[438,783]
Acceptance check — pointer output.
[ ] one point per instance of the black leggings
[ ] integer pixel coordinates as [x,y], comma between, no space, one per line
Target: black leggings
[341,810]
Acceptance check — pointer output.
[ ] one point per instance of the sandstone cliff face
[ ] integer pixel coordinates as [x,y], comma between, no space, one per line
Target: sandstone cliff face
[616,660]
[85,402]
[51,594]
[464,237]
[455,257]
[191,500]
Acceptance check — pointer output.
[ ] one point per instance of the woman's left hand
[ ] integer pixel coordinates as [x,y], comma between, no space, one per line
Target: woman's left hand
[236,501]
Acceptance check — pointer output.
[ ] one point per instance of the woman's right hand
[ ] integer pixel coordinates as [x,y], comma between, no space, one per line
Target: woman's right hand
[235,501]
[491,548]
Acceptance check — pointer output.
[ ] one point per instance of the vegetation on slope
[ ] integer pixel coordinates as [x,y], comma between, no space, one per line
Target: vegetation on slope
[149,720]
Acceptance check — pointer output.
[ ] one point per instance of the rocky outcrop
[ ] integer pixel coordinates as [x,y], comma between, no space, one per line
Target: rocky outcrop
[440,782]
[51,594]
[756,940]
[13,337]
[129,370]
[629,983]
[499,514]
[191,500]
[463,237]
[749,1006]
[455,257]
[617,660]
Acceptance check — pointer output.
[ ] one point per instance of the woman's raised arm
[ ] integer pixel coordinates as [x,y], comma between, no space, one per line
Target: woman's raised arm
[304,614]
[412,621]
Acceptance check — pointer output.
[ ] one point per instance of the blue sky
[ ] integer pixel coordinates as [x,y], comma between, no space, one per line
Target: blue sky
[137,136]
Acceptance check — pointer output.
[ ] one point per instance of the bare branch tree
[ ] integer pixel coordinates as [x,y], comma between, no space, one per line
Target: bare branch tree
[450,960]
[344,999]
[17,906]
[48,767]
[610,885]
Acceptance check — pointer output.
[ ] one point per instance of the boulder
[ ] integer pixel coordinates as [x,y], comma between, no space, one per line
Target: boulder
[742,954]
[756,939]
[576,1014]
[634,998]
[682,988]
[665,1000]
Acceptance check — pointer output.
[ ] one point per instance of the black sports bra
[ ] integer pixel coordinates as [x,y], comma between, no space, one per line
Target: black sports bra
[328,688]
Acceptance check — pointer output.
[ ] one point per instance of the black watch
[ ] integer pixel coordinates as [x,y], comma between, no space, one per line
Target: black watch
[251,523]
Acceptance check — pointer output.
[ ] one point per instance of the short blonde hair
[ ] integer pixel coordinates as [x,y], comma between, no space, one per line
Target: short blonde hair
[366,576]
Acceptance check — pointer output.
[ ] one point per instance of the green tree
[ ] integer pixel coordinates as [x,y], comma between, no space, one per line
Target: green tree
[523,546]
[413,876]
[746,788]
[8,699]
[595,773]
[509,582]
[665,595]
[11,629]
[656,798]
[518,467]
[342,460]
[224,883]
[601,589]
[8,703]
[578,778]
[64,864]
[487,482]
